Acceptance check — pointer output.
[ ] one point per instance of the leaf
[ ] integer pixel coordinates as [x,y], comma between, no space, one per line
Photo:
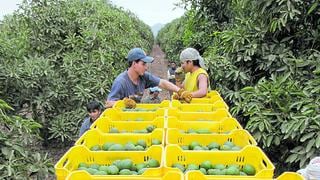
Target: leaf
[261,126]
[313,7]
[292,158]
[318,141]
[306,136]
[269,139]
[310,144]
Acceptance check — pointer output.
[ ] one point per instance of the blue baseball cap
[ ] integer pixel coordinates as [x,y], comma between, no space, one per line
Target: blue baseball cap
[138,53]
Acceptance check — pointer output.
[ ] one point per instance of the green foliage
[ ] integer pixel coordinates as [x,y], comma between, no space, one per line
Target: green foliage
[283,115]
[170,38]
[17,157]
[263,57]
[55,56]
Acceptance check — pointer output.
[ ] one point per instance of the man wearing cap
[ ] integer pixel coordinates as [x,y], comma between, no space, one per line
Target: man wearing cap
[153,96]
[130,84]
[196,78]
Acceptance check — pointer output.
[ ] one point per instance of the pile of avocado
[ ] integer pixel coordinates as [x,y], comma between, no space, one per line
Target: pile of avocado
[148,129]
[208,168]
[213,146]
[119,167]
[140,145]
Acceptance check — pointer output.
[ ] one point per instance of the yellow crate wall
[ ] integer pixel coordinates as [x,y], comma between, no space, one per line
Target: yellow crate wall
[104,124]
[77,154]
[239,137]
[118,115]
[199,107]
[217,115]
[164,104]
[249,155]
[95,137]
[223,126]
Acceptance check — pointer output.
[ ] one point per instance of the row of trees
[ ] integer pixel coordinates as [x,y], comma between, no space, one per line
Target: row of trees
[55,56]
[264,58]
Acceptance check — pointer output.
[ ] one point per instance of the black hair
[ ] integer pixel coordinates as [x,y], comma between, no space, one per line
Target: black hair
[196,63]
[93,105]
[130,62]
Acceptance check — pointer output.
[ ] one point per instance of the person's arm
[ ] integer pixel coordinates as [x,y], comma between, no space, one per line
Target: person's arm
[203,87]
[109,104]
[168,74]
[168,85]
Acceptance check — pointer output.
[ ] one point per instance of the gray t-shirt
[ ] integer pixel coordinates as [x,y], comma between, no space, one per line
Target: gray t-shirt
[123,86]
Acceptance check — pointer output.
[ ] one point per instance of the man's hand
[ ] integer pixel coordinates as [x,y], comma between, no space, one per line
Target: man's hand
[129,103]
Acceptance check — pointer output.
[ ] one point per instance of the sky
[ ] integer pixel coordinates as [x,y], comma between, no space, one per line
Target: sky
[149,11]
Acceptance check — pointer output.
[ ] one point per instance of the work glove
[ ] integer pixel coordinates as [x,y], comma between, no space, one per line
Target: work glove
[129,103]
[175,96]
[186,96]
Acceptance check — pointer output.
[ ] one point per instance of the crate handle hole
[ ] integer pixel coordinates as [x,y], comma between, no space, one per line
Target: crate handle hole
[65,162]
[250,141]
[264,163]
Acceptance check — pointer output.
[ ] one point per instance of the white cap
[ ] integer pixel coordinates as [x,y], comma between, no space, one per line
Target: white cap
[192,54]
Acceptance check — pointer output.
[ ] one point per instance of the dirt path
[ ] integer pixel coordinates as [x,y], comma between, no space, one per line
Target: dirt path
[159,67]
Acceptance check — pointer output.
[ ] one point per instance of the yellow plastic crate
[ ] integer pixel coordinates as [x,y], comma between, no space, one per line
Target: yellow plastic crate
[199,116]
[140,106]
[118,115]
[290,176]
[249,155]
[96,137]
[238,137]
[77,154]
[104,124]
[223,126]
[170,175]
[192,175]
[199,107]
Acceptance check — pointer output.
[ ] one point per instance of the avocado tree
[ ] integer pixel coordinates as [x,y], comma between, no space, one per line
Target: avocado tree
[58,55]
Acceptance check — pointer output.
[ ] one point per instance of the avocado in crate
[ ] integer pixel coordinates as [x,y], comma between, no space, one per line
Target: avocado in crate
[224,126]
[95,140]
[131,163]
[233,141]
[250,162]
[119,167]
[207,168]
[107,126]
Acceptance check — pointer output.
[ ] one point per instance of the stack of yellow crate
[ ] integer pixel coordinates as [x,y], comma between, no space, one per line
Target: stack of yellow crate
[203,121]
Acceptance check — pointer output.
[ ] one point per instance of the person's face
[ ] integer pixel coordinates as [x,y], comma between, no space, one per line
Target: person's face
[186,65]
[94,114]
[173,65]
[140,67]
